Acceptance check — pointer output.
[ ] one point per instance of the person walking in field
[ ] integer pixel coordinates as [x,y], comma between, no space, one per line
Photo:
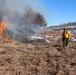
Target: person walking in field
[66,35]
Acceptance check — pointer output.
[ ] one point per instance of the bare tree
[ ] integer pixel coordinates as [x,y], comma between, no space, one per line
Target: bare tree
[26,24]
[28,16]
[31,17]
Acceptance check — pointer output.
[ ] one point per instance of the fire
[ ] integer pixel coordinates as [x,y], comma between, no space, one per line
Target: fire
[2,26]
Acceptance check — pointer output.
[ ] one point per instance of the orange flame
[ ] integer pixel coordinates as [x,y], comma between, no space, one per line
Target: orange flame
[2,26]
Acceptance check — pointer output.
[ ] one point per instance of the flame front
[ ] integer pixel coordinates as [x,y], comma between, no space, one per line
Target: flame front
[2,26]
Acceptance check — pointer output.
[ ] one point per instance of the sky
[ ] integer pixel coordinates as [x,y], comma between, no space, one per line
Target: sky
[55,12]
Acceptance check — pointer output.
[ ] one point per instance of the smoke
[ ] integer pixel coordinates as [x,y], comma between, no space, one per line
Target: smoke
[3,9]
[21,25]
[18,5]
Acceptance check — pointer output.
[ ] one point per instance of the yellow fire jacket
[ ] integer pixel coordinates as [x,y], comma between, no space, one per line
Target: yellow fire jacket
[66,35]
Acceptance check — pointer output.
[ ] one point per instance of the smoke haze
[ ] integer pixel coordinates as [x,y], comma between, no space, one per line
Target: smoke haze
[21,23]
[18,5]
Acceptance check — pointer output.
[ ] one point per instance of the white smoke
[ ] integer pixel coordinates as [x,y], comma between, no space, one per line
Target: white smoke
[18,5]
[21,28]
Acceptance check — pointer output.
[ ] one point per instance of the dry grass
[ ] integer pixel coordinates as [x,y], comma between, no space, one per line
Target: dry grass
[36,58]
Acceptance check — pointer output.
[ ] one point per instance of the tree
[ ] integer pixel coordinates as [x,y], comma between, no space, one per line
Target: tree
[31,17]
[39,19]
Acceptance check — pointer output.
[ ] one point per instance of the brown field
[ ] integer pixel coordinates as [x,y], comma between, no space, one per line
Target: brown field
[37,58]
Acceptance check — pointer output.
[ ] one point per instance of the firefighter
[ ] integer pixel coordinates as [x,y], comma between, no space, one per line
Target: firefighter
[66,35]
